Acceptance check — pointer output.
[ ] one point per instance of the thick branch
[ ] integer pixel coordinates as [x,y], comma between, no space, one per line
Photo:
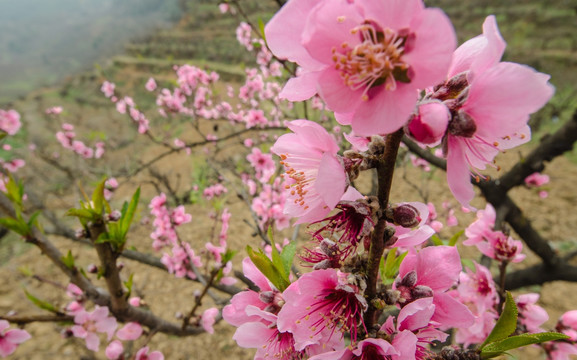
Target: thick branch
[540,274]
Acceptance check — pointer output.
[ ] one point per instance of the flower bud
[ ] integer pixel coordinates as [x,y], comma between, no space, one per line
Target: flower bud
[430,124]
[421,291]
[462,125]
[266,297]
[114,216]
[404,215]
[409,280]
[92,269]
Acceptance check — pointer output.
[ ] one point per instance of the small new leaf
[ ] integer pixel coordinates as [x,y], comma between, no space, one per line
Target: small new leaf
[267,268]
[506,324]
[98,197]
[499,347]
[41,303]
[453,240]
[68,260]
[19,226]
[128,285]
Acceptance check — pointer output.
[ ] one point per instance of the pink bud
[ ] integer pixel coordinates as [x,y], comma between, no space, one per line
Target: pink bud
[430,124]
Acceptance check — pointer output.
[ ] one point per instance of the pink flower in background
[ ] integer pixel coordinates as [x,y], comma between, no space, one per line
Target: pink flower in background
[208,319]
[536,180]
[114,350]
[490,103]
[263,164]
[89,323]
[130,331]
[55,110]
[150,85]
[10,339]
[143,354]
[501,247]
[366,59]
[314,173]
[480,228]
[108,88]
[531,315]
[10,121]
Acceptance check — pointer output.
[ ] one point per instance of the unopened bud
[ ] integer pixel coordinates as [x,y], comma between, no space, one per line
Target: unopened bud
[430,123]
[114,216]
[421,291]
[405,215]
[409,280]
[328,247]
[266,297]
[178,315]
[80,233]
[462,125]
[93,269]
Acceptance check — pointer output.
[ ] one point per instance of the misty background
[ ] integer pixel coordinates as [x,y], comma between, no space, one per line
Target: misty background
[43,41]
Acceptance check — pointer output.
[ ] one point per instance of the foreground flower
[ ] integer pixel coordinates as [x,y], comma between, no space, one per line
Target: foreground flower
[490,103]
[315,174]
[10,339]
[366,58]
[321,302]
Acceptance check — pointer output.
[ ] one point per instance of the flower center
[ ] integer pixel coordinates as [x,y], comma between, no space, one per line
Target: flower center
[302,182]
[377,60]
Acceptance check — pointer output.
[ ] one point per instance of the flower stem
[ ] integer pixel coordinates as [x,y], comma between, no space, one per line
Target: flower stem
[385,169]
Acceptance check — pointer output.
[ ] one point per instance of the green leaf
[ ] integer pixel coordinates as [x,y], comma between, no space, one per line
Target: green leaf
[436,240]
[18,226]
[499,347]
[453,240]
[267,268]
[41,303]
[68,260]
[81,213]
[98,198]
[128,214]
[261,28]
[287,255]
[32,220]
[128,285]
[506,324]
[103,238]
[391,266]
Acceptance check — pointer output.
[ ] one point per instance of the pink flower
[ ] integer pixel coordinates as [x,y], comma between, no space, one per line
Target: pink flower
[10,339]
[321,304]
[501,247]
[490,103]
[536,180]
[428,126]
[130,331]
[10,121]
[208,319]
[366,59]
[431,272]
[315,173]
[88,324]
[374,349]
[143,354]
[480,228]
[262,163]
[531,315]
[150,85]
[114,350]
[107,88]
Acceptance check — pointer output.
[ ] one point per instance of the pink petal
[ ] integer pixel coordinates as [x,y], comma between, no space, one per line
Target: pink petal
[430,55]
[338,96]
[208,319]
[16,336]
[386,112]
[252,335]
[394,14]
[254,274]
[114,350]
[416,315]
[287,44]
[331,180]
[450,312]
[502,98]
[130,331]
[6,348]
[92,341]
[458,173]
[302,87]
